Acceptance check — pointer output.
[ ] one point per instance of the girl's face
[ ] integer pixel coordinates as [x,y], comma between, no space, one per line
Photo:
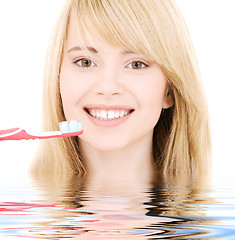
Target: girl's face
[118,94]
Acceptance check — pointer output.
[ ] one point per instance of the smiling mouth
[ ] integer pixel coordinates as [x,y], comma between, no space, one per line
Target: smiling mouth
[111,114]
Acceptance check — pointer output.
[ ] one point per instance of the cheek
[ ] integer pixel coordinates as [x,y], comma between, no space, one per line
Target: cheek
[152,93]
[71,90]
[65,91]
[151,98]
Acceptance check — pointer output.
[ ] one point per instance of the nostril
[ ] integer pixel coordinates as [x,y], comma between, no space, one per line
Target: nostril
[108,93]
[115,93]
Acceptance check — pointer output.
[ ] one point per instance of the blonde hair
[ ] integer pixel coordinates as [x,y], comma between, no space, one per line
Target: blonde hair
[155,28]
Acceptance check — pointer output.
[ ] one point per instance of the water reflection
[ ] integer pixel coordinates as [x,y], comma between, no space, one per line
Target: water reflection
[81,208]
[78,208]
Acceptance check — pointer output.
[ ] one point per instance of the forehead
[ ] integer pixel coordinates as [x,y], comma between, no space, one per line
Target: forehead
[78,39]
[88,30]
[92,44]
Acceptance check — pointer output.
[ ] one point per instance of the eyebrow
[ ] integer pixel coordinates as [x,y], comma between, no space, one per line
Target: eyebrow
[126,52]
[77,48]
[93,50]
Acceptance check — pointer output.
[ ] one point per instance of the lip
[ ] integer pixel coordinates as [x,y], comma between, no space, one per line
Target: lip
[108,107]
[108,122]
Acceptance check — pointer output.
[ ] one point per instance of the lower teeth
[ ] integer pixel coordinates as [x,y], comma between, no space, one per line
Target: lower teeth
[100,118]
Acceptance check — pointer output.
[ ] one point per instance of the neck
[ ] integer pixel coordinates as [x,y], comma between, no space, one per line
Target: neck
[132,164]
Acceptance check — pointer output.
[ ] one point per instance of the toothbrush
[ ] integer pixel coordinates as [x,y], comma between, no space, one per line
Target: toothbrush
[67,129]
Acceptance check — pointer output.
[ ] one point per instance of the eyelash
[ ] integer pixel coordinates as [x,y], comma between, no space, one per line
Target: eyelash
[143,65]
[83,59]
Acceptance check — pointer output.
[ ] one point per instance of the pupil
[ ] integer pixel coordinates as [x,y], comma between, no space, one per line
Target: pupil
[86,63]
[136,65]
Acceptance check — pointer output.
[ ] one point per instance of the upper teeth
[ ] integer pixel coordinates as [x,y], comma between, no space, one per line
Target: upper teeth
[108,114]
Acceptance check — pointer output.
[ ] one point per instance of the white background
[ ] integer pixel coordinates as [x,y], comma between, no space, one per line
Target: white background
[25,28]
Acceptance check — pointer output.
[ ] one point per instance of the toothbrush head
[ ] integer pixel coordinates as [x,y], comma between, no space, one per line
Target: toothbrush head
[70,126]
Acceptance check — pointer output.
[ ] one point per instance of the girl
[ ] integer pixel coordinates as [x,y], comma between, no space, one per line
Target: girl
[128,70]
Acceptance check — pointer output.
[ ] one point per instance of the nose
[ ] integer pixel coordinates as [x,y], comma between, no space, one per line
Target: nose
[109,83]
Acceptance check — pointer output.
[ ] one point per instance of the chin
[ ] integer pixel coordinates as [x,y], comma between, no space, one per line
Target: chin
[107,144]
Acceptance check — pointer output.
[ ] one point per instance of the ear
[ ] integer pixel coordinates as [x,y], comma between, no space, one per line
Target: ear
[168,100]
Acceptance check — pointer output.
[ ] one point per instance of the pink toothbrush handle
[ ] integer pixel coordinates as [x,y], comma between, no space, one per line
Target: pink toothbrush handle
[19,134]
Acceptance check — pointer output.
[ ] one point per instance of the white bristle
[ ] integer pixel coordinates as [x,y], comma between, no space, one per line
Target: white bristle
[70,126]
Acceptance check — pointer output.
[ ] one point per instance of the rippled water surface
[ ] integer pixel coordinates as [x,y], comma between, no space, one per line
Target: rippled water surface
[72,209]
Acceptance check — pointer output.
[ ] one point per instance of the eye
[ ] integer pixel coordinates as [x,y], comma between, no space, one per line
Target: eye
[85,63]
[137,65]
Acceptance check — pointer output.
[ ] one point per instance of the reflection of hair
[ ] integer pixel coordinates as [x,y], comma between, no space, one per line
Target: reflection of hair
[155,28]
[179,196]
[172,204]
